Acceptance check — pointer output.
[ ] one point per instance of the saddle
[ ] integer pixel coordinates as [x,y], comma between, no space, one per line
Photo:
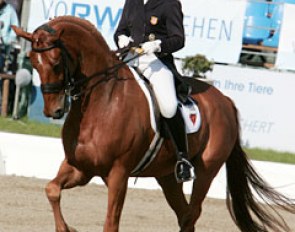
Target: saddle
[187,105]
[188,108]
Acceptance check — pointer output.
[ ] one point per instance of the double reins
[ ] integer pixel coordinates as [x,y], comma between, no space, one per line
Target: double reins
[106,72]
[71,86]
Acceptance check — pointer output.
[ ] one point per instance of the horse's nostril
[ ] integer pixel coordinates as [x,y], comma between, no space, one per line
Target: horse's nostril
[58,114]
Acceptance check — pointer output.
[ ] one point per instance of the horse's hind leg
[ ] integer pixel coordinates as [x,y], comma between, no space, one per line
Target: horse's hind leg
[206,168]
[67,177]
[174,196]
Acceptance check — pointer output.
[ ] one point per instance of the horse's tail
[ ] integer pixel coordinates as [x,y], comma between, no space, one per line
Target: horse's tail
[248,214]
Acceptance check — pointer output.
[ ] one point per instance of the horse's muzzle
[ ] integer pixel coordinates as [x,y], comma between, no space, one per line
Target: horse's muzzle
[58,114]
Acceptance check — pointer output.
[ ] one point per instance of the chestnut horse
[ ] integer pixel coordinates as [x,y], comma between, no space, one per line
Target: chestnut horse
[107,132]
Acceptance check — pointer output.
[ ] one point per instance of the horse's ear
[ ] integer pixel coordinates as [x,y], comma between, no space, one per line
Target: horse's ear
[21,33]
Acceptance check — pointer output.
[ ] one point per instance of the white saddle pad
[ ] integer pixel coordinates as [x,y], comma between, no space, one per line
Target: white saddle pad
[191,115]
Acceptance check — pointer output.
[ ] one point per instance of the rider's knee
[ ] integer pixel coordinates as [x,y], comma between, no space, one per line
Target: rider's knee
[168,110]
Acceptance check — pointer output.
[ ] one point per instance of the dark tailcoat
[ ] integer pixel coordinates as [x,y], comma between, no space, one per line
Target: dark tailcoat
[158,19]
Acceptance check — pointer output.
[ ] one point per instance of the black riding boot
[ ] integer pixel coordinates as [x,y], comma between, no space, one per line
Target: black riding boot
[184,171]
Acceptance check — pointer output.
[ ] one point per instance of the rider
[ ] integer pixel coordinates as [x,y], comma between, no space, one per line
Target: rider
[157,26]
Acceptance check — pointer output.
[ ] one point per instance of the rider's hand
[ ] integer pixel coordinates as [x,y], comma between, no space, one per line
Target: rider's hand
[123,41]
[151,46]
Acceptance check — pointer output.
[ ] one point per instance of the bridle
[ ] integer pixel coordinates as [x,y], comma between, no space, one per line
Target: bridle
[72,87]
[67,83]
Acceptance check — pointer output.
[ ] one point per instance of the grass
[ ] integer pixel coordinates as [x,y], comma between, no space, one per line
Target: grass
[271,155]
[25,126]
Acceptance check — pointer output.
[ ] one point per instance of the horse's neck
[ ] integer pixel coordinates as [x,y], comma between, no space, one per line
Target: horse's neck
[104,90]
[93,56]
[97,62]
[103,85]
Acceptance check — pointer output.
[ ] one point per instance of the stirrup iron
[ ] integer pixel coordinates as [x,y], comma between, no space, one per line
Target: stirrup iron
[186,173]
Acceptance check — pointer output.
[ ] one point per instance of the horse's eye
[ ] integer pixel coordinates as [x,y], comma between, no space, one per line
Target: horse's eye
[57,68]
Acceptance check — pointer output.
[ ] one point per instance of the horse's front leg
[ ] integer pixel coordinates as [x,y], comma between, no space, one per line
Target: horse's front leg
[117,182]
[175,197]
[67,177]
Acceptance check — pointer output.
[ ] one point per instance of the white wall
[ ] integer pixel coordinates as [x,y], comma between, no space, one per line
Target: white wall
[2,164]
[33,156]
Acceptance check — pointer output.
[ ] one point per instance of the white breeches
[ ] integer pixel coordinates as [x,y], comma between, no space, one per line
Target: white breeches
[161,80]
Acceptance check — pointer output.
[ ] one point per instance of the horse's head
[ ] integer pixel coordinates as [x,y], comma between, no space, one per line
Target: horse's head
[54,64]
[66,51]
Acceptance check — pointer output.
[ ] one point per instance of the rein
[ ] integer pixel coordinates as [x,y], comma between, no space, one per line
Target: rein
[105,73]
[69,84]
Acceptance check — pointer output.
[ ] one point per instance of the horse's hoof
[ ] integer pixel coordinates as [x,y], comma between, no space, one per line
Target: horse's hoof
[71,229]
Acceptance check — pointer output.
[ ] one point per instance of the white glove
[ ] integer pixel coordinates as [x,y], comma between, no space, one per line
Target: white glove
[151,46]
[123,41]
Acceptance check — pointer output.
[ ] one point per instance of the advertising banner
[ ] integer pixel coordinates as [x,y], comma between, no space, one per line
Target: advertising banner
[214,33]
[264,100]
[104,14]
[286,51]
[214,28]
